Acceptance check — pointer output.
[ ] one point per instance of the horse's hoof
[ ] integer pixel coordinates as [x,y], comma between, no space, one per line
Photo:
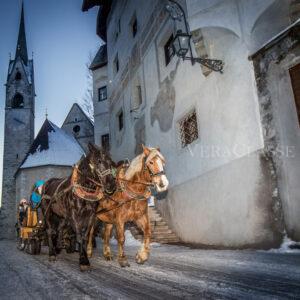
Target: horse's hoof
[52,258]
[84,268]
[124,263]
[140,260]
[109,257]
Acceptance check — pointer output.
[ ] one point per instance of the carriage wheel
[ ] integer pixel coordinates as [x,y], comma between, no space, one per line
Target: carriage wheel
[33,247]
[21,244]
[38,246]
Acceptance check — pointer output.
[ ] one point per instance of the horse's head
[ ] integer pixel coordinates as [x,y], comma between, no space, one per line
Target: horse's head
[102,167]
[155,162]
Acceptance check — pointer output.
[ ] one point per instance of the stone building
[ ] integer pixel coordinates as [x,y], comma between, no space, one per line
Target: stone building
[53,153]
[78,124]
[101,109]
[19,126]
[220,133]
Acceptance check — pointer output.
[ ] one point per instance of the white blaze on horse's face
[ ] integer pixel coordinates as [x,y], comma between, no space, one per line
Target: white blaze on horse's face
[157,167]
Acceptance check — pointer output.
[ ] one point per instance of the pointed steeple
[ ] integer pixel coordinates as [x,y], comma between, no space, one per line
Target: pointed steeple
[21,50]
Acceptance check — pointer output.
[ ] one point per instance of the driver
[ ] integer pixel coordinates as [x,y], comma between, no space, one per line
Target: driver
[36,194]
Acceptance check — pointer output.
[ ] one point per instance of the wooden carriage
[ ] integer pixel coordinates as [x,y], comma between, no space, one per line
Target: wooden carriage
[32,232]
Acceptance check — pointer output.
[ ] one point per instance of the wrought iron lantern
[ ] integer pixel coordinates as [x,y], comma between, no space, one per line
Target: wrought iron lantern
[181,43]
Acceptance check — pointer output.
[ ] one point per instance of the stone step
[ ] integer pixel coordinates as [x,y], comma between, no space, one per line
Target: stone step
[161,232]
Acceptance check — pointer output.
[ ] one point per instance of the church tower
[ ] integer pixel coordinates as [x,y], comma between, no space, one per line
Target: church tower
[18,127]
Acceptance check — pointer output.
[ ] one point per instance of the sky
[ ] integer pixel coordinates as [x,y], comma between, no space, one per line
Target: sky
[62,38]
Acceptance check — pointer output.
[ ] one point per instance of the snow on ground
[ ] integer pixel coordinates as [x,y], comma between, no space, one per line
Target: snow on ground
[287,246]
[172,272]
[129,240]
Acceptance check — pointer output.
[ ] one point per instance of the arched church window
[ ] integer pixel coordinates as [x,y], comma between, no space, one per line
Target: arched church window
[18,76]
[18,101]
[76,129]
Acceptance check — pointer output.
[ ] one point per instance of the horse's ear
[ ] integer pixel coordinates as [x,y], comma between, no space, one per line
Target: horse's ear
[146,151]
[91,147]
[158,149]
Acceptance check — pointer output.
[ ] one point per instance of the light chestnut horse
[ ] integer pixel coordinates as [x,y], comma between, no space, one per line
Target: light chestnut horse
[129,203]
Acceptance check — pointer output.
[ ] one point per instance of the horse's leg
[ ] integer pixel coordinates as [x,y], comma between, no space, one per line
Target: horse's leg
[60,230]
[106,237]
[90,243]
[51,243]
[144,224]
[121,240]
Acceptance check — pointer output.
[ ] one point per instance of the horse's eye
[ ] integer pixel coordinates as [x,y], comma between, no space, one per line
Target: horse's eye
[151,162]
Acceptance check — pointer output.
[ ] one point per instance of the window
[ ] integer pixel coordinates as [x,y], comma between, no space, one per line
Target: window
[134,26]
[105,142]
[188,128]
[18,101]
[116,64]
[118,29]
[120,120]
[18,76]
[137,97]
[102,93]
[295,79]
[76,129]
[168,49]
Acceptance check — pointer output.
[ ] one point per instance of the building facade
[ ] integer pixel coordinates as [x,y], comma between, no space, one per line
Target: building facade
[100,100]
[226,188]
[18,127]
[78,124]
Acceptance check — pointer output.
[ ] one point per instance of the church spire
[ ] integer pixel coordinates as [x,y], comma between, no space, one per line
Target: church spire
[21,50]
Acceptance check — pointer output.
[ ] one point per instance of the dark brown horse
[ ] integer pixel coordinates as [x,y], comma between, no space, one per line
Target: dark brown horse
[129,202]
[73,201]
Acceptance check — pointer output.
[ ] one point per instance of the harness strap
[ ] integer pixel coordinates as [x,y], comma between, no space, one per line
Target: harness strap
[81,192]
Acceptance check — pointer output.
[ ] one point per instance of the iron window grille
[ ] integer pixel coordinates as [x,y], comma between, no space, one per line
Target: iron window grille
[102,93]
[188,128]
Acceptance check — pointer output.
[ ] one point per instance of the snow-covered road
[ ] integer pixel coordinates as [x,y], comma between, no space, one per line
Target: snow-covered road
[172,272]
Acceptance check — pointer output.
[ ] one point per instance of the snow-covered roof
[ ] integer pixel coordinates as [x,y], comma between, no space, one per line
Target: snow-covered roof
[52,146]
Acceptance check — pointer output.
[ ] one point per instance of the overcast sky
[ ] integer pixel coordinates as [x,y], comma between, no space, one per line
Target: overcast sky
[61,37]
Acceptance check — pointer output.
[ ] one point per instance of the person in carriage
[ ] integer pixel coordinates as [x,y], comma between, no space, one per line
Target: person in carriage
[36,194]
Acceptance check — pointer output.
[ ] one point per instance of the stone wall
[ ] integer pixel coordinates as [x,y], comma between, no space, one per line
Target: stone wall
[26,178]
[18,136]
[280,122]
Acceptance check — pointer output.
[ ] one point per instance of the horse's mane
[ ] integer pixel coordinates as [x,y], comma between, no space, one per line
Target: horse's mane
[137,163]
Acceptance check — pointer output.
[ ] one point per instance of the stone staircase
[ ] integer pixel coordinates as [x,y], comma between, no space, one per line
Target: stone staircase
[161,233]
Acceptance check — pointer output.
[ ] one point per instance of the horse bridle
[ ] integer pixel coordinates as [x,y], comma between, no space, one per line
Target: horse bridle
[99,174]
[149,169]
